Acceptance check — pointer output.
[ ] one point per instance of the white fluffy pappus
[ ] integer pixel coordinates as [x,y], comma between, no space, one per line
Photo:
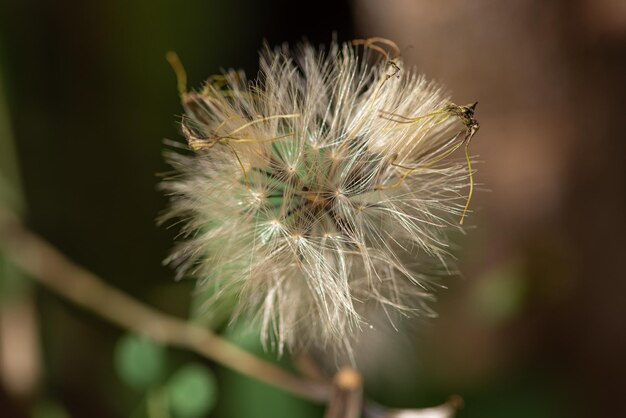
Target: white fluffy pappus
[326,185]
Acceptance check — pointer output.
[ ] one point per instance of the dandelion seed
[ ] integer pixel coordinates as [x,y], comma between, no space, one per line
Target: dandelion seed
[327,197]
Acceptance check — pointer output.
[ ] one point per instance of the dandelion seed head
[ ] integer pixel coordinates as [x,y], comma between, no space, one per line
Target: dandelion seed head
[316,190]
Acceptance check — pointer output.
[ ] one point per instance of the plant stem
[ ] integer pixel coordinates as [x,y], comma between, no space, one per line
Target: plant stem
[347,398]
[52,269]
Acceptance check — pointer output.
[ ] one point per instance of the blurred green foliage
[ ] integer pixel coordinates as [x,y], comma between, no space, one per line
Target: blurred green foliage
[192,391]
[499,294]
[48,409]
[139,362]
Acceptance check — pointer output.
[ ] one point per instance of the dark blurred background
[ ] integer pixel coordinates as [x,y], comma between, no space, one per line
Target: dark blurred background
[537,326]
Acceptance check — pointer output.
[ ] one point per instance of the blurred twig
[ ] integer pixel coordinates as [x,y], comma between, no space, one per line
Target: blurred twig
[52,269]
[20,368]
[10,180]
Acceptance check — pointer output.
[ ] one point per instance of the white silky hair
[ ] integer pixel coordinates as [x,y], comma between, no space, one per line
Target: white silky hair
[312,205]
